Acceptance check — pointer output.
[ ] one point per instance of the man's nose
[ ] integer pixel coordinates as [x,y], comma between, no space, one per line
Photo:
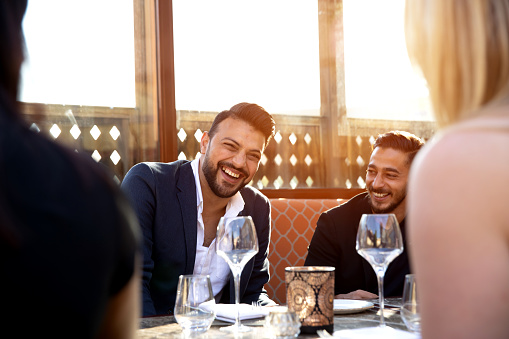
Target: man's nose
[378,181]
[239,160]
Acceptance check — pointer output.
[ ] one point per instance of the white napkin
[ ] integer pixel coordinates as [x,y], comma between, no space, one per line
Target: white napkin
[375,332]
[227,312]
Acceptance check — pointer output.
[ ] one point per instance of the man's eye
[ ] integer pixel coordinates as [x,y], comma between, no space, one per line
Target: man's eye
[254,157]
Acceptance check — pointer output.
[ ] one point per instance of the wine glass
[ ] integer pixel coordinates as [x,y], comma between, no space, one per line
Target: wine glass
[379,241]
[194,304]
[236,243]
[410,305]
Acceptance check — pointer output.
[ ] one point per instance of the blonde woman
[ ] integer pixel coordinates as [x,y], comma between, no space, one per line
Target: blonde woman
[458,202]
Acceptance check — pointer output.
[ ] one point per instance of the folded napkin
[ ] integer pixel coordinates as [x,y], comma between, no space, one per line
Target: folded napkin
[375,332]
[228,312]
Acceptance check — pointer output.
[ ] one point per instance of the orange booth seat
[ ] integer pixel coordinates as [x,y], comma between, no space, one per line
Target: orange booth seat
[293,225]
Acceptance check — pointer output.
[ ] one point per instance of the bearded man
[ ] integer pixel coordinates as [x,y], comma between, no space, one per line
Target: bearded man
[333,243]
[179,205]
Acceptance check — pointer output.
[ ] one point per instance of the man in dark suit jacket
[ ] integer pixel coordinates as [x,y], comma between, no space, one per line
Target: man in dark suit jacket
[333,243]
[179,205]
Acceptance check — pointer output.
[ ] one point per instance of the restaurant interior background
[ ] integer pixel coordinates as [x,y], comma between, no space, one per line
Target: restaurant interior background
[136,81]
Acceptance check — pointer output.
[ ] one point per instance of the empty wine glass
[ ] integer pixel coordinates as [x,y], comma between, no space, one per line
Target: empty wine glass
[236,243]
[410,305]
[379,241]
[194,304]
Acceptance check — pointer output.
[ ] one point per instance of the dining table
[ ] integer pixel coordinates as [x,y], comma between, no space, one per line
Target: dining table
[167,327]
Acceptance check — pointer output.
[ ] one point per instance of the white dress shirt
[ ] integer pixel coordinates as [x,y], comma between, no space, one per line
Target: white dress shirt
[207,262]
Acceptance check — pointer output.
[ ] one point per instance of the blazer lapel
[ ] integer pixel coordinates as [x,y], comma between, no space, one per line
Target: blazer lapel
[187,199]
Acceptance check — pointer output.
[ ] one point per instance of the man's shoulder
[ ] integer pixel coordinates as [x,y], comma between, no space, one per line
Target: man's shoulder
[357,204]
[157,168]
[250,194]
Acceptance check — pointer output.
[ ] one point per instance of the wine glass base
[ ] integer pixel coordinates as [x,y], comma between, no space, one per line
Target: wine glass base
[236,328]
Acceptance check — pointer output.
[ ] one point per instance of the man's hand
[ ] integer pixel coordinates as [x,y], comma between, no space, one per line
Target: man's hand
[359,294]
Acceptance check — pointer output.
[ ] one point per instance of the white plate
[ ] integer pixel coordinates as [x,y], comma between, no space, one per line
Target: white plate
[346,306]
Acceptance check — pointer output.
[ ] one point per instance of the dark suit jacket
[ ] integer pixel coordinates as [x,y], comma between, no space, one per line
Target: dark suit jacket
[164,197]
[333,244]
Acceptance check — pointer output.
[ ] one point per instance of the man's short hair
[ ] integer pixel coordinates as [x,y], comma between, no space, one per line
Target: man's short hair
[402,141]
[253,114]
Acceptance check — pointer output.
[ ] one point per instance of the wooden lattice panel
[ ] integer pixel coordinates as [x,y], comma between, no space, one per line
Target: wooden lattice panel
[293,224]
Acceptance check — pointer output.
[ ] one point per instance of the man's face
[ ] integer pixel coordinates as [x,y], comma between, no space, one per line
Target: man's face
[231,157]
[386,180]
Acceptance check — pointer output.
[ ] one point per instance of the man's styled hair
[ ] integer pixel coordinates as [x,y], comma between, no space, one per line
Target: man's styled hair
[253,114]
[402,141]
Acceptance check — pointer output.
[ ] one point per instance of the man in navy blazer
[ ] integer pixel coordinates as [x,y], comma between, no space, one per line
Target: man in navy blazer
[179,205]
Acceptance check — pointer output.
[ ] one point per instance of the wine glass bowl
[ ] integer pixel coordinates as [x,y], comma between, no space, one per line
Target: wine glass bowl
[379,241]
[236,243]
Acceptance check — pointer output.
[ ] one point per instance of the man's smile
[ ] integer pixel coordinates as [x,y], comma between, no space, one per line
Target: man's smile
[230,173]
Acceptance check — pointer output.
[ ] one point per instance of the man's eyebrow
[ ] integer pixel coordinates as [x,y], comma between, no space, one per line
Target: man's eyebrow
[385,169]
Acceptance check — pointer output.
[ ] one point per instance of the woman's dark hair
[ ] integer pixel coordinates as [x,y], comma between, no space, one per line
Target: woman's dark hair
[253,114]
[401,141]
[12,45]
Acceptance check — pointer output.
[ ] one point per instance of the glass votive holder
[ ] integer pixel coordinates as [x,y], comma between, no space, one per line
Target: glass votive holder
[282,323]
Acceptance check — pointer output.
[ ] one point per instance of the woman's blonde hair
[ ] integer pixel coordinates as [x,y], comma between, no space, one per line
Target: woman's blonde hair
[462,49]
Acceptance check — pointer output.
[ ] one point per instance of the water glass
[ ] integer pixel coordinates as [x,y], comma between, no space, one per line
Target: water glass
[282,323]
[410,305]
[194,291]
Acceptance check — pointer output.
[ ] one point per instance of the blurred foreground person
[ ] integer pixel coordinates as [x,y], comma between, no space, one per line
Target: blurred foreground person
[68,238]
[458,215]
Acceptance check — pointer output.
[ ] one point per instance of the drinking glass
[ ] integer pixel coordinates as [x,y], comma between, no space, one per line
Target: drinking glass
[194,292]
[236,243]
[379,241]
[410,305]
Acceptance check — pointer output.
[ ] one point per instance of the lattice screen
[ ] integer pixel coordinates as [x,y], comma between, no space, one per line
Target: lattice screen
[294,158]
[104,139]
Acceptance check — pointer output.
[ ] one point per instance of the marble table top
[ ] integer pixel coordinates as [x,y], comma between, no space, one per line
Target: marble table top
[167,327]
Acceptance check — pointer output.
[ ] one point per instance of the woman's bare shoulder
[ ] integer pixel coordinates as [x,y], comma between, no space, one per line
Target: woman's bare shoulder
[463,170]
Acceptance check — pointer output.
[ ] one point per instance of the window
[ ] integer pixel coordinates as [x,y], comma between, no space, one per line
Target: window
[150,80]
[334,74]
[86,81]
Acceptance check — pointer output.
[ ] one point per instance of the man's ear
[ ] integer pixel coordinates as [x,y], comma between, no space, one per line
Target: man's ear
[204,143]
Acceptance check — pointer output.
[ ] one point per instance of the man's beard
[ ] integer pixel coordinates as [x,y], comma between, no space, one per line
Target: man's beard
[226,190]
[399,198]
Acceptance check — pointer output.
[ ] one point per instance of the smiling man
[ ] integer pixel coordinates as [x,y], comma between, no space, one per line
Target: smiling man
[179,205]
[333,243]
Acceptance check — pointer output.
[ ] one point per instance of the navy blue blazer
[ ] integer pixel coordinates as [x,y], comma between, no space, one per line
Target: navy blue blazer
[164,198]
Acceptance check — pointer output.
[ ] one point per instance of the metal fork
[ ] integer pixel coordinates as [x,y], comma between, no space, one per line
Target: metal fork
[256,305]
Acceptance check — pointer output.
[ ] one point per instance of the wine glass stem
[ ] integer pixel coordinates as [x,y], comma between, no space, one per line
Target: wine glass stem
[380,277]
[236,281]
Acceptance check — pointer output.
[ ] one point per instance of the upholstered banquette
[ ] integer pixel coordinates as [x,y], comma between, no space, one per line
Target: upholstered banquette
[293,225]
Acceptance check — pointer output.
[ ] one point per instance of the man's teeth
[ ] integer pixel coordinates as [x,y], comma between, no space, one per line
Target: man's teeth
[380,195]
[230,173]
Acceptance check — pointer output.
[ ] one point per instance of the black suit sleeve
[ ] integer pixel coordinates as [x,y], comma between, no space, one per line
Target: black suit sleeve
[323,250]
[139,186]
